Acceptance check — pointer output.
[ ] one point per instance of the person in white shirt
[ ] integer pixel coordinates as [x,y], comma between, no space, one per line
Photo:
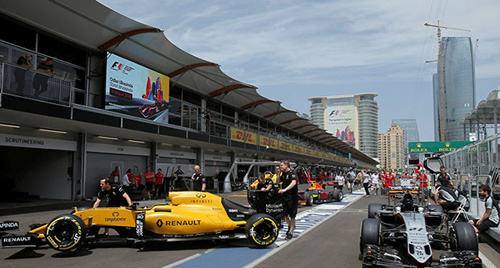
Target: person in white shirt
[340,180]
[375,182]
[125,181]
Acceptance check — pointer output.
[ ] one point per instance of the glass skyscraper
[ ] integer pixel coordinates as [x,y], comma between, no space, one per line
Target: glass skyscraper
[458,87]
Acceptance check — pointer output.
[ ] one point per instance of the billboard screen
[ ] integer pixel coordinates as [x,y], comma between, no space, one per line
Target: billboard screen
[341,122]
[136,90]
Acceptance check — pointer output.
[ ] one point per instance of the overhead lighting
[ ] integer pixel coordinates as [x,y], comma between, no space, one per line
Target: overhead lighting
[107,138]
[182,146]
[9,125]
[166,144]
[53,131]
[134,141]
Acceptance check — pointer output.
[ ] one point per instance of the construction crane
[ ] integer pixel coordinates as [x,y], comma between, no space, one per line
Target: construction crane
[441,82]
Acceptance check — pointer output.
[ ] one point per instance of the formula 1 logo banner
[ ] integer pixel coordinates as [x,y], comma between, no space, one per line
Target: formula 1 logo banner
[136,90]
[342,122]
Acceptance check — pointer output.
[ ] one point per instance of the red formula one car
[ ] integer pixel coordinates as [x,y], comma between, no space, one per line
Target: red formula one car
[316,194]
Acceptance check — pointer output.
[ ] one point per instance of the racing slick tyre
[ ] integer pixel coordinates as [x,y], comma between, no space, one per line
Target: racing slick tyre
[337,195]
[308,196]
[65,232]
[370,233]
[373,209]
[463,237]
[262,230]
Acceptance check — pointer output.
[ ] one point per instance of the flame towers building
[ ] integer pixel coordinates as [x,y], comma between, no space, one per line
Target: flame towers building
[456,78]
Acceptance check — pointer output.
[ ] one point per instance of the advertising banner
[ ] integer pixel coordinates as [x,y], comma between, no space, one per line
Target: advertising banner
[266,141]
[435,146]
[342,123]
[136,90]
[237,134]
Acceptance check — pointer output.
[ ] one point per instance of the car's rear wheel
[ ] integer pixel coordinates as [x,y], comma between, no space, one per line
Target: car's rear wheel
[370,233]
[463,237]
[373,209]
[262,230]
[65,232]
[337,195]
[308,196]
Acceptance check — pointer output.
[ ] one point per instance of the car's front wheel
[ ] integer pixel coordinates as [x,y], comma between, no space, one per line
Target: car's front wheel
[65,232]
[262,230]
[370,233]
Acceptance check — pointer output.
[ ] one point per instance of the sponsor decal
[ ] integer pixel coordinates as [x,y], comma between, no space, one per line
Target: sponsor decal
[17,239]
[139,224]
[180,223]
[233,210]
[115,215]
[9,225]
[200,195]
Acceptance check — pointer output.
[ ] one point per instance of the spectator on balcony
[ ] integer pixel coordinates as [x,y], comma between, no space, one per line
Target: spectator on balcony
[20,72]
[40,82]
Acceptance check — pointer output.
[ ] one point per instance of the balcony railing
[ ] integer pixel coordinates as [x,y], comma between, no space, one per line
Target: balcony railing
[19,81]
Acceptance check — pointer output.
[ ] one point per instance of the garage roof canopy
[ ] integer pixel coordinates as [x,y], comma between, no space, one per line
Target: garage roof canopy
[98,28]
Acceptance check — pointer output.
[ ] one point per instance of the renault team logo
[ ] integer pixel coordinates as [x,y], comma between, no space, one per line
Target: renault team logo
[200,195]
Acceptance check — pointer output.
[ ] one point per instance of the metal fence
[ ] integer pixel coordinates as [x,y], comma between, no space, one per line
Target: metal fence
[474,165]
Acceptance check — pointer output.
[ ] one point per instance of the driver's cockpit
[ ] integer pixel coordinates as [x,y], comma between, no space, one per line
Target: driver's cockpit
[407,203]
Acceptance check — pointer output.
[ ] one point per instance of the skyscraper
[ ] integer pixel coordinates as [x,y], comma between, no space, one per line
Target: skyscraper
[351,118]
[391,152]
[458,87]
[410,128]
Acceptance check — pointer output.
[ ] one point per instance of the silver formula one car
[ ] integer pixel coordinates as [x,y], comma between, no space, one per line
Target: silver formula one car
[406,235]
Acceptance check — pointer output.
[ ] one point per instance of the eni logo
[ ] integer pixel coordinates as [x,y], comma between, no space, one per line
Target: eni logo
[115,214]
[200,195]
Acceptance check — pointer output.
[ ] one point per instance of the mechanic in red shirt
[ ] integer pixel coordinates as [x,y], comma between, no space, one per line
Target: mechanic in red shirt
[159,184]
[150,180]
[115,174]
[390,178]
[423,182]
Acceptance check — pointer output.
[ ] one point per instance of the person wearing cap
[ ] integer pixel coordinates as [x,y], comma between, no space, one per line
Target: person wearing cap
[40,82]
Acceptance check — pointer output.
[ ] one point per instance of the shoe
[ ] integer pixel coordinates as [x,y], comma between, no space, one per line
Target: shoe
[289,236]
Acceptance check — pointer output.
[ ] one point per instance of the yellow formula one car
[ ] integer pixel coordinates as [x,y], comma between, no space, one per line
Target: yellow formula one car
[190,216]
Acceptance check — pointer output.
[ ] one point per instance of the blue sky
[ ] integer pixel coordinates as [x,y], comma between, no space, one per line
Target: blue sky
[293,50]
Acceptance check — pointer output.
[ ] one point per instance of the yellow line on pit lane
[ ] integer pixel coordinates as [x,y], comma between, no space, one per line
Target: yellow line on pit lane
[240,195]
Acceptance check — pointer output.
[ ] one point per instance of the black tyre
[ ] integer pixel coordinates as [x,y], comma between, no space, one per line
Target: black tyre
[373,209]
[337,195]
[308,196]
[65,232]
[370,233]
[262,230]
[464,237]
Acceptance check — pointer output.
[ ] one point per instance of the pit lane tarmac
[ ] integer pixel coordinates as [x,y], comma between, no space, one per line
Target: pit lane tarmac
[247,256]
